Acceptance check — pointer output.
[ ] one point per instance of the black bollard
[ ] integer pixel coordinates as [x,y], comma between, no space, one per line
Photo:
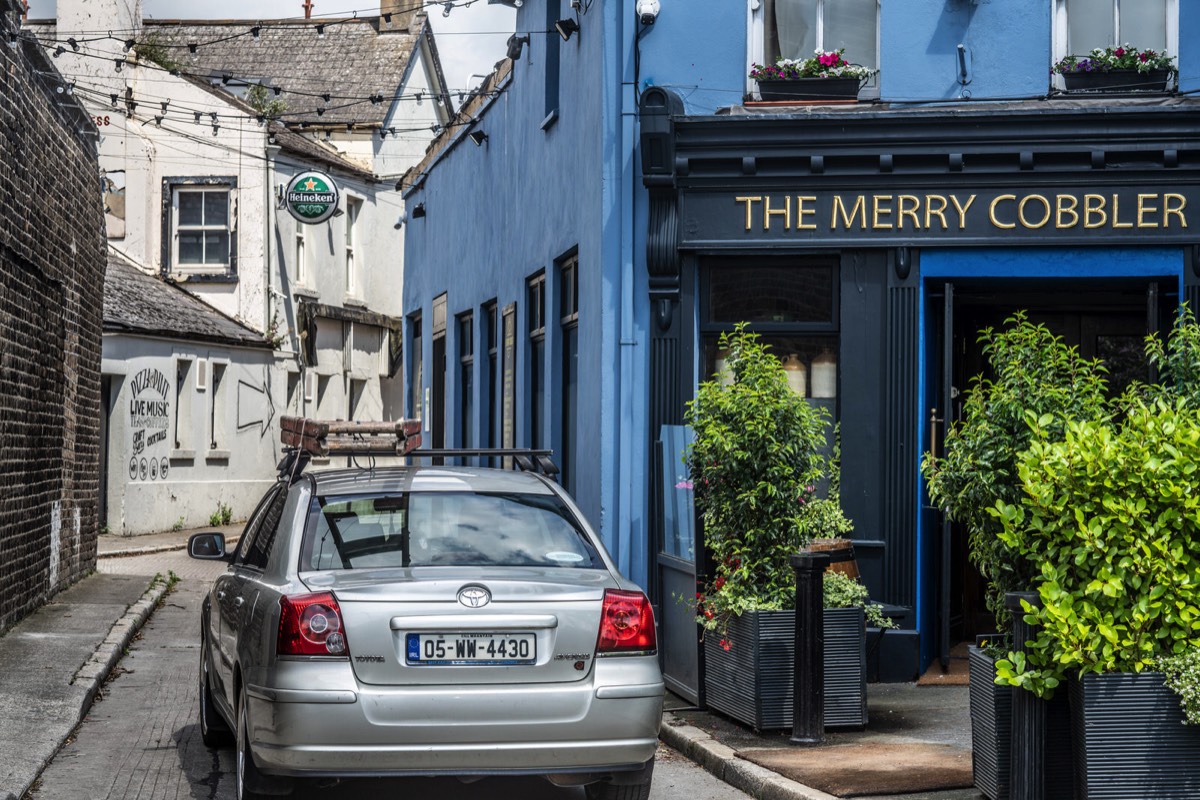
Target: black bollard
[808,670]
[1027,776]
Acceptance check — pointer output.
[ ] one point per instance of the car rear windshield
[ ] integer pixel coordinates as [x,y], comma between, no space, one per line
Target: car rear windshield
[414,529]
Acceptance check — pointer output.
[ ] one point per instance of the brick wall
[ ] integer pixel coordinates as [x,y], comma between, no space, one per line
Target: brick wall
[52,255]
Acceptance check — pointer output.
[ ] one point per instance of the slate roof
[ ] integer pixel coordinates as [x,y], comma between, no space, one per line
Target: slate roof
[352,62]
[140,303]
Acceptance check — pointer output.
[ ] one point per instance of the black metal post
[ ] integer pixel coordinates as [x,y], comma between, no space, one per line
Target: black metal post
[808,675]
[1027,776]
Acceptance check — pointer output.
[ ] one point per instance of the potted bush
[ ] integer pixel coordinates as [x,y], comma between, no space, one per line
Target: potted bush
[1109,513]
[754,462]
[1031,372]
[827,75]
[1117,69]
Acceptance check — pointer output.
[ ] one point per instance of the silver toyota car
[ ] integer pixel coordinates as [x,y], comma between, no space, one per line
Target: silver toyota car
[427,620]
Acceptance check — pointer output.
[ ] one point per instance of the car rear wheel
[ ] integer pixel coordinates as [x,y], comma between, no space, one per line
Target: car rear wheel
[631,786]
[213,729]
[252,784]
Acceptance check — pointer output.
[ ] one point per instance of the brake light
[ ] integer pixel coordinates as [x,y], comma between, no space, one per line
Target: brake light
[626,625]
[311,625]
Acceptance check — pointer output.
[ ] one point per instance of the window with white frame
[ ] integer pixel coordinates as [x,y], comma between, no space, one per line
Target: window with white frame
[353,207]
[199,226]
[1081,26]
[796,28]
[301,259]
[218,412]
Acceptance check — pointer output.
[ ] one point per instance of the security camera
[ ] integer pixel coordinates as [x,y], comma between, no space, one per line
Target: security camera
[400,221]
[647,11]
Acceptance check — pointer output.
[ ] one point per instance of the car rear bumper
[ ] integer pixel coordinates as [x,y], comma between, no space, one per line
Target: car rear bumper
[592,725]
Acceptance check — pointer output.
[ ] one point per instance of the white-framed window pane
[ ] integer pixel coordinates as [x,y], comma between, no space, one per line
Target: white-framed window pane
[791,29]
[216,209]
[1145,27]
[216,247]
[191,247]
[850,24]
[1090,25]
[191,208]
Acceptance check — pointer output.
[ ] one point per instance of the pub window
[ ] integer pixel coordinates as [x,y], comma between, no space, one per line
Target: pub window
[791,303]
[1081,26]
[491,341]
[796,28]
[466,377]
[353,209]
[198,226]
[568,307]
[415,378]
[536,293]
[184,389]
[218,409]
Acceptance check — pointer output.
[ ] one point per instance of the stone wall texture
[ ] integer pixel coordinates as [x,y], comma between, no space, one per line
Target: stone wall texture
[52,255]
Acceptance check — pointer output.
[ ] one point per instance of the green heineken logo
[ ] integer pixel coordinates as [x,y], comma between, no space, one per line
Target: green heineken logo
[311,197]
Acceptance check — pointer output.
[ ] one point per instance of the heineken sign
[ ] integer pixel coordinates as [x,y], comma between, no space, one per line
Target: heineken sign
[311,197]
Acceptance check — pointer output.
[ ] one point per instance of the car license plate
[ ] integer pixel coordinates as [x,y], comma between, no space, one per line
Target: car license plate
[463,649]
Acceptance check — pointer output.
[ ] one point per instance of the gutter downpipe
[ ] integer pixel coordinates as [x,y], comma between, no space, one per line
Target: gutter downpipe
[630,480]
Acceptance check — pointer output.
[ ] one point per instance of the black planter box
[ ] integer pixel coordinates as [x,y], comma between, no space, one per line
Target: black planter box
[992,734]
[810,89]
[1129,740]
[752,681]
[1117,80]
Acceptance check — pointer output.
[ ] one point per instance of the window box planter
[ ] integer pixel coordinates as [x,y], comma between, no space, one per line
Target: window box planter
[991,734]
[809,89]
[1117,80]
[752,681]
[1129,740]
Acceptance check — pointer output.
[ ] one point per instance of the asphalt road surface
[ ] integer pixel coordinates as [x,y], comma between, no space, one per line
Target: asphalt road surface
[141,742]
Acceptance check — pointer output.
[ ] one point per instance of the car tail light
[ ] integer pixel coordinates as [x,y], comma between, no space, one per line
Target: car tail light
[626,624]
[311,625]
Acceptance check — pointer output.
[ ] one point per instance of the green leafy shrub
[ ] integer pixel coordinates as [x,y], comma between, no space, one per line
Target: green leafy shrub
[1032,372]
[1110,515]
[754,462]
[842,591]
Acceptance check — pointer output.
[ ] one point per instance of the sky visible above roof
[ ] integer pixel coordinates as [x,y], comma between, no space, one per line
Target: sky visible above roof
[471,38]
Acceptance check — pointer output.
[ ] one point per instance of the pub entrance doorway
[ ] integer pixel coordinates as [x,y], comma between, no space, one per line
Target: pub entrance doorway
[1109,320]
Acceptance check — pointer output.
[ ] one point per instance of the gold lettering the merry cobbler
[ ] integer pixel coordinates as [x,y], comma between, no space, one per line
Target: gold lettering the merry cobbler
[938,212]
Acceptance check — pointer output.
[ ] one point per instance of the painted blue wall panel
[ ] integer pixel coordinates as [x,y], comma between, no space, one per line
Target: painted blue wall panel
[1189,46]
[1007,43]
[698,50]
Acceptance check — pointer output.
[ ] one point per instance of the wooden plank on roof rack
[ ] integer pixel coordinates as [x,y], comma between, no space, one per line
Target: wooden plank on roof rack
[322,438]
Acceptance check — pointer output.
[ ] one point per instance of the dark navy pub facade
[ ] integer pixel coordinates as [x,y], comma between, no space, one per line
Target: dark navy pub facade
[870,245]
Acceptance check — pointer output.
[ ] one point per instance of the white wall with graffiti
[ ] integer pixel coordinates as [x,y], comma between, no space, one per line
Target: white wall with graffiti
[192,432]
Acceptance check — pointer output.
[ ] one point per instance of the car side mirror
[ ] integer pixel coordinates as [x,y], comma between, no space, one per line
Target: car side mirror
[207,546]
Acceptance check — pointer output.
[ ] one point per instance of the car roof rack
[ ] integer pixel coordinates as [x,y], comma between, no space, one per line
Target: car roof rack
[524,458]
[304,439]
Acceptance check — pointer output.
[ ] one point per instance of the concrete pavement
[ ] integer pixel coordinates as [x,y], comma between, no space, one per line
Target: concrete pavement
[55,663]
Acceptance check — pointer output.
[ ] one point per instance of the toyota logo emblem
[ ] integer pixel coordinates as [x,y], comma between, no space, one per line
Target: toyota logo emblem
[474,596]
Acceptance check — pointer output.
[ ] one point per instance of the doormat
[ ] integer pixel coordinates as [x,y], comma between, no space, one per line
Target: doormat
[958,673]
[870,768]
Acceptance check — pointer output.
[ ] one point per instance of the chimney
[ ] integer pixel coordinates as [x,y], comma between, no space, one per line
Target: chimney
[308,4]
[400,13]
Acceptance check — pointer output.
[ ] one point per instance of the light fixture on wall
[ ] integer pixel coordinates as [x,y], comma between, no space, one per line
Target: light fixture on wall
[515,44]
[478,137]
[566,27]
[418,211]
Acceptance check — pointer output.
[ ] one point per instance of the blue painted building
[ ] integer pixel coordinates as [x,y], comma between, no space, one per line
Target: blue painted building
[612,201]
